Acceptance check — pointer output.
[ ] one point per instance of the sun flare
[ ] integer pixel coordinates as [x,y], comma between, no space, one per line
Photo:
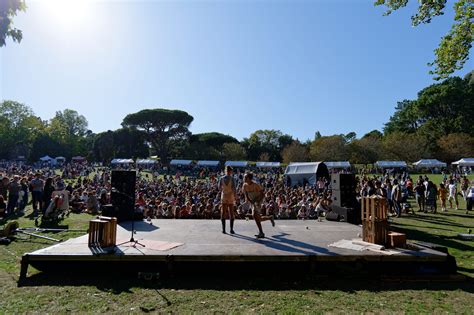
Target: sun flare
[67,13]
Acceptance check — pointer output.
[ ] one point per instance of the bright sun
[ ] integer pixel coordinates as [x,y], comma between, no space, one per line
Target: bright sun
[67,13]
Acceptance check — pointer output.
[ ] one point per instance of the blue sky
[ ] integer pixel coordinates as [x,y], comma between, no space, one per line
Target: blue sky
[236,66]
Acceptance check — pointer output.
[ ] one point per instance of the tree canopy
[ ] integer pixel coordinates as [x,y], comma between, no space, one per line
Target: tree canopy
[8,10]
[453,50]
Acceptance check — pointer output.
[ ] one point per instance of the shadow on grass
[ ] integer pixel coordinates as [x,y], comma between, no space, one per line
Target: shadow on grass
[247,282]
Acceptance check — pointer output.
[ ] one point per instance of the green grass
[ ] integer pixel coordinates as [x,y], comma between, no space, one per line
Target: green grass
[243,293]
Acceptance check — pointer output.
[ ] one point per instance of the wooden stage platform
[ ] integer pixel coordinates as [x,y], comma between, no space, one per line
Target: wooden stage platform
[199,245]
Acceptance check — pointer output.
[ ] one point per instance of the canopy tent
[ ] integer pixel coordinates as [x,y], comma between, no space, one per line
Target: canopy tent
[308,172]
[146,162]
[391,164]
[208,163]
[429,163]
[237,163]
[46,158]
[60,158]
[122,161]
[268,164]
[338,164]
[464,162]
[181,162]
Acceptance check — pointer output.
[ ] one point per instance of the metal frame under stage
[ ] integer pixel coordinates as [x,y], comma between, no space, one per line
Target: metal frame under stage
[304,244]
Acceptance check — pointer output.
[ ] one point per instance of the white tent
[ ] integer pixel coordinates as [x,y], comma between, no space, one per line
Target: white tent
[338,164]
[268,164]
[429,163]
[391,164]
[181,162]
[208,163]
[46,158]
[237,163]
[299,173]
[146,162]
[464,162]
[122,161]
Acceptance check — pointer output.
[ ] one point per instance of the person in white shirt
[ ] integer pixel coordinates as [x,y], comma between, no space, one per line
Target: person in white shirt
[453,194]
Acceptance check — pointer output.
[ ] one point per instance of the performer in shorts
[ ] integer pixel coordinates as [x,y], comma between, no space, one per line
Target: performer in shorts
[254,194]
[228,190]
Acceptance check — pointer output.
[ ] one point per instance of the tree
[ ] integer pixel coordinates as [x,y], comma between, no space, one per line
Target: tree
[73,123]
[405,119]
[160,127]
[266,141]
[332,148]
[366,150]
[453,50]
[264,157]
[405,147]
[455,146]
[234,152]
[8,10]
[18,128]
[295,152]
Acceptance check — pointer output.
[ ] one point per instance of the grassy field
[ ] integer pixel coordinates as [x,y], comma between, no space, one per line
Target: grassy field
[204,293]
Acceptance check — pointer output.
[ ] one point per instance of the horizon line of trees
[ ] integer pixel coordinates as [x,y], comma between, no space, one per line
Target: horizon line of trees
[439,123]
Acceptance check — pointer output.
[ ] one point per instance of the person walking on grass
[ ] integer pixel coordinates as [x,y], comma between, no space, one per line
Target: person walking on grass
[431,196]
[470,198]
[420,195]
[397,197]
[228,189]
[442,193]
[253,193]
[453,194]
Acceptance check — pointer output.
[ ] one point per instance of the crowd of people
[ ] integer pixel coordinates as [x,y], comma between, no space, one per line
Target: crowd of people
[80,188]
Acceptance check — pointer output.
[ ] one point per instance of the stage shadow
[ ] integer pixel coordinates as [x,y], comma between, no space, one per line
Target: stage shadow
[139,226]
[279,242]
[247,281]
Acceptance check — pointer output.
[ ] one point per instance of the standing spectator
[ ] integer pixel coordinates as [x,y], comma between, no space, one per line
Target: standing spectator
[4,187]
[470,198]
[420,195]
[36,188]
[443,193]
[23,194]
[431,194]
[3,207]
[397,197]
[453,194]
[47,194]
[13,194]
[465,188]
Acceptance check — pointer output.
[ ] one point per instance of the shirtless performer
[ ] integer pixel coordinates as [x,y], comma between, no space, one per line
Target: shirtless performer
[228,190]
[254,194]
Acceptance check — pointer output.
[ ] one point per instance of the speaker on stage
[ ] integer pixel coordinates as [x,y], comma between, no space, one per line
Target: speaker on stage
[343,190]
[123,194]
[349,215]
[343,182]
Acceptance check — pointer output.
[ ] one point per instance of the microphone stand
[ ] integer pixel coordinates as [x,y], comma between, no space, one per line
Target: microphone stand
[132,239]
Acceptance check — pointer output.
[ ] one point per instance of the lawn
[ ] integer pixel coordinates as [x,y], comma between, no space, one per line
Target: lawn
[243,293]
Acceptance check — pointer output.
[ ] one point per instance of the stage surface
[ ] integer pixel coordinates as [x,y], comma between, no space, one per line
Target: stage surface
[179,244]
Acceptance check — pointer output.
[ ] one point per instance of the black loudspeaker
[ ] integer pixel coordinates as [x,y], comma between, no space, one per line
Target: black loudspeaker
[343,182]
[332,216]
[123,194]
[344,198]
[349,215]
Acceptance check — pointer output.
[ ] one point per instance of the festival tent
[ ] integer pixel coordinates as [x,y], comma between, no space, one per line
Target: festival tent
[299,173]
[391,164]
[429,163]
[464,162]
[46,158]
[122,161]
[268,164]
[181,162]
[338,164]
[208,163]
[146,162]
[237,163]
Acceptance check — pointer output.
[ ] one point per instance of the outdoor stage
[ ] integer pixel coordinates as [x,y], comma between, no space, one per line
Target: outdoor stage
[199,246]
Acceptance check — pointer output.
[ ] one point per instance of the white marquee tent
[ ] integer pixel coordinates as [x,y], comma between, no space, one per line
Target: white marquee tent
[268,164]
[338,164]
[429,163]
[46,158]
[122,161]
[391,164]
[181,162]
[146,162]
[208,163]
[237,163]
[464,162]
[298,173]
